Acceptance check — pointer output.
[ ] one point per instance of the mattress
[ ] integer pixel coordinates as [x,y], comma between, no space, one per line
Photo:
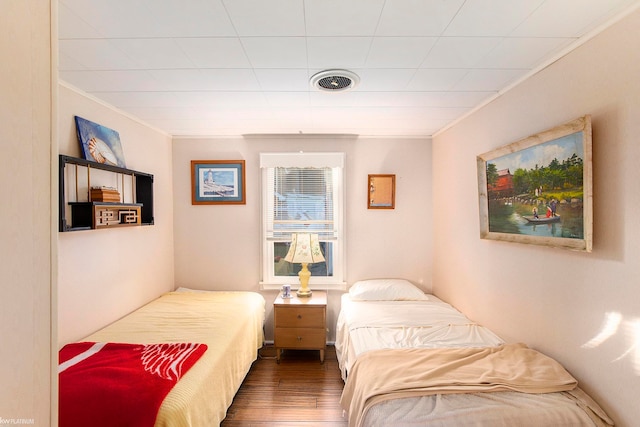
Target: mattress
[368,326]
[229,323]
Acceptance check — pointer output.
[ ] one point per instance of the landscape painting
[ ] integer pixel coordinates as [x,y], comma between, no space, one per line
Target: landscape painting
[539,190]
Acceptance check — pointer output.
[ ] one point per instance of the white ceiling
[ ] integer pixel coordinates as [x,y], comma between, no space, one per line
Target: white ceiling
[237,67]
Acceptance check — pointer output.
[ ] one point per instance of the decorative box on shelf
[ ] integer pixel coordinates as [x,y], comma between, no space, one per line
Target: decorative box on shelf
[105,194]
[102,214]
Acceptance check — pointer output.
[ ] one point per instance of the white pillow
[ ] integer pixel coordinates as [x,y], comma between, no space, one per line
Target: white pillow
[386,290]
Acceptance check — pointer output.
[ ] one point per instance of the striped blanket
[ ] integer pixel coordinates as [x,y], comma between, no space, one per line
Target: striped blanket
[109,384]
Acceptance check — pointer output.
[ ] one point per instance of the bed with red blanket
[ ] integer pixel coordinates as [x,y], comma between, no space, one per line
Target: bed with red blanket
[177,361]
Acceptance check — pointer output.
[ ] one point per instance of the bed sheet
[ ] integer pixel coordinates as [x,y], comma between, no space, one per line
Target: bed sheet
[371,325]
[498,409]
[230,323]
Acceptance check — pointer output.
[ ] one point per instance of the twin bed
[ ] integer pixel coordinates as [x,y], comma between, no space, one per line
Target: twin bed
[203,343]
[408,358]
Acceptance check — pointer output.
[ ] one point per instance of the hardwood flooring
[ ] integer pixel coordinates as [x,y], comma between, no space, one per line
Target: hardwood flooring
[297,392]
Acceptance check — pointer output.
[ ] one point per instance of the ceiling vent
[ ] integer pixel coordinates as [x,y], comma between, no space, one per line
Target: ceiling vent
[335,80]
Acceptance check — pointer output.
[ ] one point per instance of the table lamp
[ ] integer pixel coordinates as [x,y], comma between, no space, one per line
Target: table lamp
[304,249]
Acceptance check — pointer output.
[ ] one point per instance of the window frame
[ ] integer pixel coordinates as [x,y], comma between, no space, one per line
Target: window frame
[319,160]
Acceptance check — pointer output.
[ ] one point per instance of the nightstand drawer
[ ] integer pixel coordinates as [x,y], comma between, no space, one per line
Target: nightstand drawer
[303,338]
[300,317]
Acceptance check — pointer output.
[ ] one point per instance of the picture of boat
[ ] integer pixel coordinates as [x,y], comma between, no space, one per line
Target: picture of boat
[542,220]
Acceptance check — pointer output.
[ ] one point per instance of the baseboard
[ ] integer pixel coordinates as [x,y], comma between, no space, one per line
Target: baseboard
[270,342]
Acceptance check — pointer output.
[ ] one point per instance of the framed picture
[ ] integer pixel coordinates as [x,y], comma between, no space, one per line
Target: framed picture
[99,143]
[381,192]
[217,182]
[539,190]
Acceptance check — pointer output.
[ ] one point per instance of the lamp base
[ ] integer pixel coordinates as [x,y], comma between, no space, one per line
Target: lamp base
[303,294]
[304,274]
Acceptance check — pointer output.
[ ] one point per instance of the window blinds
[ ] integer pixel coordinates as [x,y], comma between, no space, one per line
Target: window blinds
[302,201]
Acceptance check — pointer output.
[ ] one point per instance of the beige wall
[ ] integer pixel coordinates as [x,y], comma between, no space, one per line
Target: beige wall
[555,300]
[25,218]
[105,274]
[218,247]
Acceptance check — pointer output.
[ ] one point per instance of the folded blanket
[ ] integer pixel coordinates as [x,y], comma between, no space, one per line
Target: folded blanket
[112,384]
[390,374]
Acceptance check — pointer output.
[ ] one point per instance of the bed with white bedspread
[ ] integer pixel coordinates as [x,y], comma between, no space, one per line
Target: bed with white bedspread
[408,358]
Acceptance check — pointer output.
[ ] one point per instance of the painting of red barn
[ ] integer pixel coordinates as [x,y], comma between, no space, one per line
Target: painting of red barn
[503,186]
[539,190]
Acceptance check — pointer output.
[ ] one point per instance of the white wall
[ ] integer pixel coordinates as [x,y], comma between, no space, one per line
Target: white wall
[553,299]
[25,217]
[218,247]
[105,274]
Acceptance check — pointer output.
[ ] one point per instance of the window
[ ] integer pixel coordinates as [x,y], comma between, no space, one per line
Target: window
[302,192]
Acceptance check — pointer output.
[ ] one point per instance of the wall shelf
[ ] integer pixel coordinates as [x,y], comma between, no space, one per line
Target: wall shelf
[82,213]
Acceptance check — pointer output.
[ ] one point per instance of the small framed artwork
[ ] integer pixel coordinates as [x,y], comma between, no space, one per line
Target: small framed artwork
[217,182]
[381,192]
[539,190]
[99,143]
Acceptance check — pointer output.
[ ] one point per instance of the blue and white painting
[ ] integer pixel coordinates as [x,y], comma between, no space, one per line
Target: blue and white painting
[218,182]
[99,143]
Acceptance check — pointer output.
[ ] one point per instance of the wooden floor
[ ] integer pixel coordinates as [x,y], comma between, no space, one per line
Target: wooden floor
[297,392]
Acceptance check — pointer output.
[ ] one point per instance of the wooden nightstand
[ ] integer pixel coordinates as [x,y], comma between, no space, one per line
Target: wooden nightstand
[301,323]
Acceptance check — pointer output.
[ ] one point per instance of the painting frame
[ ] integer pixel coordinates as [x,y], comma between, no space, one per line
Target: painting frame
[99,143]
[381,191]
[218,182]
[493,189]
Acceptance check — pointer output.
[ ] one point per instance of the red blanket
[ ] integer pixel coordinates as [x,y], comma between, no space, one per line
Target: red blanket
[110,384]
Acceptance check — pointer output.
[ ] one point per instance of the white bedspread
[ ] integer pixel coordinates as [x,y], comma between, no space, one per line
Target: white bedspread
[500,409]
[371,325]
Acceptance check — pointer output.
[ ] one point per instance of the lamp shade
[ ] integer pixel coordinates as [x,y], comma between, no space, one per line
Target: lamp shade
[305,248]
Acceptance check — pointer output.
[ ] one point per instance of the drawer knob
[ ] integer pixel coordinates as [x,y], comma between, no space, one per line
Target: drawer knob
[299,316]
[299,338]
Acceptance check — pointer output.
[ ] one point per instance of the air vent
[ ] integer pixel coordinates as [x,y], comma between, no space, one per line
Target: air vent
[335,80]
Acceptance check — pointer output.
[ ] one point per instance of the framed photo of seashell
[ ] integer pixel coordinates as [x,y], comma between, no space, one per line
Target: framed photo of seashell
[217,182]
[99,143]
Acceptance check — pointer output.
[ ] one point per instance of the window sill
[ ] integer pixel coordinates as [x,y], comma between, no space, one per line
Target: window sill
[316,286]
